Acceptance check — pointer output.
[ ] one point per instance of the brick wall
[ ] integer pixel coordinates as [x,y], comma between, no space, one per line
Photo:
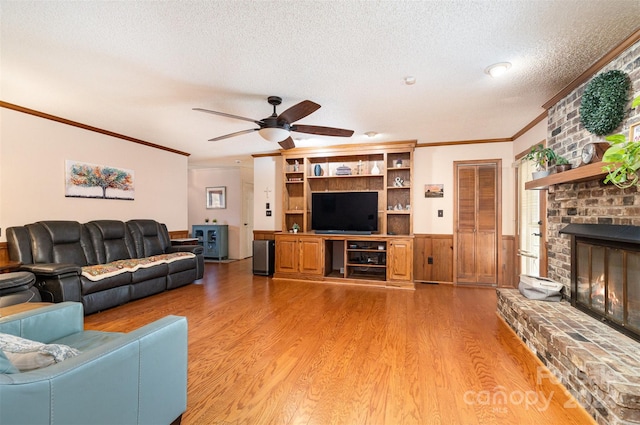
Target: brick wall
[593,201]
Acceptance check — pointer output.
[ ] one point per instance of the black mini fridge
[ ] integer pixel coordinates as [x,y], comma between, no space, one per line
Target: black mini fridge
[264,252]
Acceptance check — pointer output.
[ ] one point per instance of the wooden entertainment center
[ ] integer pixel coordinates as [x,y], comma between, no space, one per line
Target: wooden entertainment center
[384,258]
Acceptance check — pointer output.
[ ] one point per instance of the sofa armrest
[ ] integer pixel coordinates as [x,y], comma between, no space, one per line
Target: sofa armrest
[140,377]
[52,269]
[194,249]
[45,324]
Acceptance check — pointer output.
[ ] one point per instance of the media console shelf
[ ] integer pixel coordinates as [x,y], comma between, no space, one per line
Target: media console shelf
[370,260]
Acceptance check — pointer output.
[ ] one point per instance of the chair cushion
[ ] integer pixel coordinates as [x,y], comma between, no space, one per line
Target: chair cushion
[25,354]
[17,279]
[5,365]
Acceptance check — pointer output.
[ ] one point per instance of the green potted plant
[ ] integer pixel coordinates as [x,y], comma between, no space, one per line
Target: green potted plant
[623,157]
[295,227]
[562,164]
[543,158]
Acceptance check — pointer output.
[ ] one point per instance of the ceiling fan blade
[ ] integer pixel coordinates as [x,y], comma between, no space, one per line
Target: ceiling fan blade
[224,114]
[298,111]
[237,133]
[322,131]
[287,143]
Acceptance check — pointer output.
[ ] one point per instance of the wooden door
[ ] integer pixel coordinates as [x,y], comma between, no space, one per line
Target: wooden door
[287,254]
[311,256]
[477,222]
[400,257]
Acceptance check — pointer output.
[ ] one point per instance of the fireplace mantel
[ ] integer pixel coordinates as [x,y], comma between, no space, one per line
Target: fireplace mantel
[575,175]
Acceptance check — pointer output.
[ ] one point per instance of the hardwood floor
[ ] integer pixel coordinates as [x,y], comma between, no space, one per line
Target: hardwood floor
[262,352]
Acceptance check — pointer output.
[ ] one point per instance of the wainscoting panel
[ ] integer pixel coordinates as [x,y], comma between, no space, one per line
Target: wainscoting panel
[440,249]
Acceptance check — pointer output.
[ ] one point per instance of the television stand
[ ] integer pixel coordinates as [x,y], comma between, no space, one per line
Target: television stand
[374,260]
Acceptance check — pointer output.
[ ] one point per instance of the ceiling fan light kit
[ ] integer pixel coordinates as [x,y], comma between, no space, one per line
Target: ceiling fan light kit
[278,128]
[274,134]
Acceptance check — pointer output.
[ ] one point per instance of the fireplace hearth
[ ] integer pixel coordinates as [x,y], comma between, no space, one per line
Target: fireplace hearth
[605,274]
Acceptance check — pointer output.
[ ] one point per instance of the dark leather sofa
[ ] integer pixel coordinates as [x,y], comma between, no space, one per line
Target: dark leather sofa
[103,263]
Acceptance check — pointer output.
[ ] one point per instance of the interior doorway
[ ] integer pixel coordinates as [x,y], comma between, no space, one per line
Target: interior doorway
[531,223]
[478,222]
[246,226]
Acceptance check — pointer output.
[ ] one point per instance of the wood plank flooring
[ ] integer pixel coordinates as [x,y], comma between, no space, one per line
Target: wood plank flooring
[264,352]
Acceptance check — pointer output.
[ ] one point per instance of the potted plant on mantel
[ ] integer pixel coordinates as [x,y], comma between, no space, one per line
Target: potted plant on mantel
[562,164]
[624,158]
[543,158]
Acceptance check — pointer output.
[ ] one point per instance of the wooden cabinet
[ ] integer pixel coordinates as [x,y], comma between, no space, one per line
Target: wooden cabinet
[364,260]
[400,267]
[477,222]
[299,254]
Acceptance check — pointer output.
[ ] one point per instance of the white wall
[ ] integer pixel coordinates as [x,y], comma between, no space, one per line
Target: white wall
[232,179]
[535,135]
[32,182]
[267,175]
[435,165]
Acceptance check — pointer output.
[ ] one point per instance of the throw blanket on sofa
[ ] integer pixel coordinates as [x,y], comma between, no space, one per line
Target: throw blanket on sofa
[101,271]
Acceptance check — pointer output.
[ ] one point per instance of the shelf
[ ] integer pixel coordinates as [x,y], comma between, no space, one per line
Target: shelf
[399,212]
[344,177]
[575,175]
[398,187]
[368,265]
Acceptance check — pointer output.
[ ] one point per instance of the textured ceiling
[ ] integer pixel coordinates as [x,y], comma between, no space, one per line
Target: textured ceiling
[139,67]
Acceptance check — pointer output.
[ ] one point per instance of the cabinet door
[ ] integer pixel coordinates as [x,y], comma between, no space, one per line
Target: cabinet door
[311,258]
[400,258]
[486,235]
[287,255]
[466,218]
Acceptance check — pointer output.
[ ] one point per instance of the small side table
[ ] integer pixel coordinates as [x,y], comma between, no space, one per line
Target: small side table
[11,266]
[184,241]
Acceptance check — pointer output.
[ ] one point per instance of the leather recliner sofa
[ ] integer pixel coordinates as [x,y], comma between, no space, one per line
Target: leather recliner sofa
[139,377]
[103,263]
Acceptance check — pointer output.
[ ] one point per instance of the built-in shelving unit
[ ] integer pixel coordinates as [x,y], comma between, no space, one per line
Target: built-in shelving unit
[384,168]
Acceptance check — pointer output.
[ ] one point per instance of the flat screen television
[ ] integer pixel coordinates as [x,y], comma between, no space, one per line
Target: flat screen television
[344,212]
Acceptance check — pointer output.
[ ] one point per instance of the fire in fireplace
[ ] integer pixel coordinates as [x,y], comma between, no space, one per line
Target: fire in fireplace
[605,273]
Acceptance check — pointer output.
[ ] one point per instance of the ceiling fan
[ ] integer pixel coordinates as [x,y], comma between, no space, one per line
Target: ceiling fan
[277,128]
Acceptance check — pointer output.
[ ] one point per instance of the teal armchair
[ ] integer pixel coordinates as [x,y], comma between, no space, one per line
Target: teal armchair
[138,377]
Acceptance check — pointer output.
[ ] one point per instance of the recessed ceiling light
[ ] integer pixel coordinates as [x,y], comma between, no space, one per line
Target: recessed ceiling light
[409,80]
[371,134]
[497,69]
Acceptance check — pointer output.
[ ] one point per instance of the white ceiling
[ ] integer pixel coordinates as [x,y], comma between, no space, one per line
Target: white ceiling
[139,67]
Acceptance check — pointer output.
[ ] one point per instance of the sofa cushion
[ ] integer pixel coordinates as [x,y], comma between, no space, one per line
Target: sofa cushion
[111,240]
[26,354]
[103,271]
[60,242]
[149,237]
[5,365]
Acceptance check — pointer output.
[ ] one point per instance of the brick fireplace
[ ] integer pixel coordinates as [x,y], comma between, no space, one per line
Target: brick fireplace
[599,365]
[605,274]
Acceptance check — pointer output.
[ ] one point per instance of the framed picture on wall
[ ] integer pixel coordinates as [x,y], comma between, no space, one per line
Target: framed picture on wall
[634,132]
[216,197]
